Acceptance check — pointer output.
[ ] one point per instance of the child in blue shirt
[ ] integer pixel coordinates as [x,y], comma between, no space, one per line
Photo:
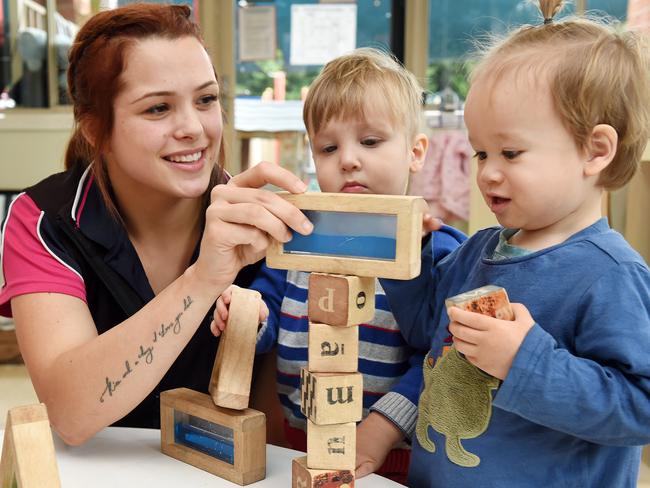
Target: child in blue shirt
[362,115]
[557,114]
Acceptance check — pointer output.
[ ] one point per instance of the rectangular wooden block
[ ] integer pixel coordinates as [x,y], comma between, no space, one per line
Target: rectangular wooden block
[487,300]
[333,349]
[331,446]
[331,398]
[230,382]
[340,300]
[28,455]
[303,477]
[228,443]
[362,235]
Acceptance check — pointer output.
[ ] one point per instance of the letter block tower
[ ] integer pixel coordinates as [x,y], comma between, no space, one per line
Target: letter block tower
[368,236]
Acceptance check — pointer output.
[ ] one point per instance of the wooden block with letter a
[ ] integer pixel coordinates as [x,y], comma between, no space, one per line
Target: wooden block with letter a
[228,443]
[331,398]
[28,456]
[487,300]
[333,349]
[230,382]
[304,477]
[340,300]
[362,235]
[331,446]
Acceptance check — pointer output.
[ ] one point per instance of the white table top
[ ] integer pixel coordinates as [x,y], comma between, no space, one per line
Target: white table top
[128,457]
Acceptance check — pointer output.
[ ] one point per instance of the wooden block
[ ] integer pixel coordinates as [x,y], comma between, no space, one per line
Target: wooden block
[230,382]
[340,300]
[228,443]
[331,398]
[303,477]
[362,235]
[331,446]
[28,456]
[333,349]
[488,300]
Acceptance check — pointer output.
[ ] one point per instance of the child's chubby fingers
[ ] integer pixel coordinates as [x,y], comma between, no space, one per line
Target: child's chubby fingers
[464,333]
[522,315]
[264,311]
[469,319]
[430,224]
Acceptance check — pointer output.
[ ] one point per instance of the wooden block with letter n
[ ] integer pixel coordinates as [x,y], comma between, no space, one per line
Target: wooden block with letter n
[228,443]
[487,300]
[230,382]
[331,446]
[28,456]
[362,235]
[331,398]
[333,349]
[340,300]
[304,477]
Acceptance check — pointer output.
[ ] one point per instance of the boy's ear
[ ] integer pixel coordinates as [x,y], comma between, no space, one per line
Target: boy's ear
[418,152]
[601,149]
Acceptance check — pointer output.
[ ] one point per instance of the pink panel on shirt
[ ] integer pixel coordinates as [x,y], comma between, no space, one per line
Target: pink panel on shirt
[27,265]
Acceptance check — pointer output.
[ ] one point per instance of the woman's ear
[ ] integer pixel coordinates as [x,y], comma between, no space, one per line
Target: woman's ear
[601,149]
[418,152]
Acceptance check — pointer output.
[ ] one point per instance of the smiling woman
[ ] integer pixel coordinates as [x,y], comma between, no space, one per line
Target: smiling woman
[112,266]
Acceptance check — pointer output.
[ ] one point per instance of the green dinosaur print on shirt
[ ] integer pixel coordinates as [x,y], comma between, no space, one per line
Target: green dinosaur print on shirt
[457,403]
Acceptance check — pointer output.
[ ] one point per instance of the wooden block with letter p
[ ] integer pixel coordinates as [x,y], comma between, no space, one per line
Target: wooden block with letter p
[333,349]
[362,235]
[228,443]
[230,382]
[487,300]
[28,456]
[331,398]
[331,446]
[340,300]
[304,477]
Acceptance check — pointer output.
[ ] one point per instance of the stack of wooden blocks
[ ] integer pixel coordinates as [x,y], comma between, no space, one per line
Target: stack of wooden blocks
[356,239]
[332,389]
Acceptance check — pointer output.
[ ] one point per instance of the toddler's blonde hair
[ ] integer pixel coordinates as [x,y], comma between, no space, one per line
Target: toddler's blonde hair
[596,74]
[342,88]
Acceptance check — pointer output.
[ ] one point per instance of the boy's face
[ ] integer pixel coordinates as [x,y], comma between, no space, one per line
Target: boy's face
[531,173]
[366,155]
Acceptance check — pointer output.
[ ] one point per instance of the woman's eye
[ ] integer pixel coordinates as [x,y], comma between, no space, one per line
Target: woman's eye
[370,142]
[510,154]
[157,109]
[480,155]
[208,99]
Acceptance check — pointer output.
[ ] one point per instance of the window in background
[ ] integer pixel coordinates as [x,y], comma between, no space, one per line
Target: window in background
[455,24]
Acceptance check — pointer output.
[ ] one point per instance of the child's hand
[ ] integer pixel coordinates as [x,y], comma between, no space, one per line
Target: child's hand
[220,318]
[376,436]
[430,223]
[490,344]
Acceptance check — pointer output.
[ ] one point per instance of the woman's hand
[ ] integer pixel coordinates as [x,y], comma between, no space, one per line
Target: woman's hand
[241,220]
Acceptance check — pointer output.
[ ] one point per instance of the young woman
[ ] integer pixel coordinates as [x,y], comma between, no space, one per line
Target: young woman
[112,266]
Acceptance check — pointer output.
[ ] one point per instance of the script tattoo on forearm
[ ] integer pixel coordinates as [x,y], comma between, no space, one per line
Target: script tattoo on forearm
[145,352]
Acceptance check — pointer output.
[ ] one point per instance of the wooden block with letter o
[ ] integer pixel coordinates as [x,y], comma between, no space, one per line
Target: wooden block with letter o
[333,349]
[487,300]
[331,446]
[331,398]
[304,477]
[340,300]
[228,443]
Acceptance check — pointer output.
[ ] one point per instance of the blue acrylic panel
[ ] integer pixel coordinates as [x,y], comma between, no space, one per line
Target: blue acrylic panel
[347,234]
[207,437]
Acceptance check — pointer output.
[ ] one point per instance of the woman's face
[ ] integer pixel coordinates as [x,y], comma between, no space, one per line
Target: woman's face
[168,124]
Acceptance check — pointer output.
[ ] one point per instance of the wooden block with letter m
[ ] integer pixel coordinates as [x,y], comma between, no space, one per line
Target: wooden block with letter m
[331,398]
